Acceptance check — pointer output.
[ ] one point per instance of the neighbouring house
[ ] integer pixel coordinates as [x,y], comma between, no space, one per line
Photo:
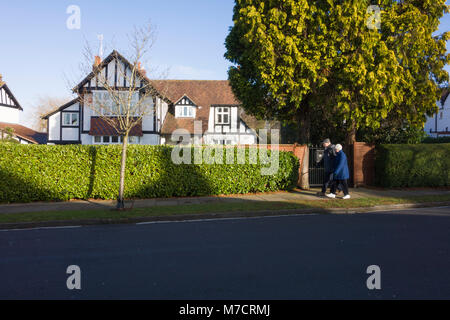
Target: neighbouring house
[439,124]
[10,110]
[206,108]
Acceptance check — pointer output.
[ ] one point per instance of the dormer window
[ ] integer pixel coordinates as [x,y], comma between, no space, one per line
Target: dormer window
[185,108]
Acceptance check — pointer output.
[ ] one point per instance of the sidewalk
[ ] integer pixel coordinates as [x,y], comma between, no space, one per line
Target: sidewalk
[295,195]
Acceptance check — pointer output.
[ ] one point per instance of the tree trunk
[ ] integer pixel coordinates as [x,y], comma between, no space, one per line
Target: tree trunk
[123,165]
[304,179]
[351,135]
[304,127]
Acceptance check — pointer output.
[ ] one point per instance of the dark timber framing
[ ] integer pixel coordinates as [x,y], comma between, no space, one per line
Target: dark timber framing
[16,105]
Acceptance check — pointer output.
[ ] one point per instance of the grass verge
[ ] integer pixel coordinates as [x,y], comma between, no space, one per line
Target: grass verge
[214,207]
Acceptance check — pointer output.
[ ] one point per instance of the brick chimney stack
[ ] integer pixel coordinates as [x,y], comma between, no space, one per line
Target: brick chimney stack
[141,69]
[97,61]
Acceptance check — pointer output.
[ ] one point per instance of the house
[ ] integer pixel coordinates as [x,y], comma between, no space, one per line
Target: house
[439,124]
[206,108]
[10,110]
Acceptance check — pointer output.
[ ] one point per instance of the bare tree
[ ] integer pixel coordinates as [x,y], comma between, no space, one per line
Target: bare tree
[126,106]
[43,106]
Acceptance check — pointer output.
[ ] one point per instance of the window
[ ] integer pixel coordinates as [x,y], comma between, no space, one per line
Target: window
[134,140]
[114,105]
[187,111]
[115,140]
[441,116]
[70,119]
[223,142]
[222,115]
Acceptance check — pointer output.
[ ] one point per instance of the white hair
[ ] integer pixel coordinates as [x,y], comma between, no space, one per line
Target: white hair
[338,147]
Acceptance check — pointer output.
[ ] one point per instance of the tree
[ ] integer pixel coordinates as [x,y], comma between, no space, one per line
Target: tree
[317,61]
[125,105]
[7,135]
[43,106]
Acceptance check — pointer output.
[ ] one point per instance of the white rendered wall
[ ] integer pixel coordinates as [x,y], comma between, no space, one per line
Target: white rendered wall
[9,115]
[54,124]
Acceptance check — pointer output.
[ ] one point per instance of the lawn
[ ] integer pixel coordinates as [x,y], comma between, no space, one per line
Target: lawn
[107,215]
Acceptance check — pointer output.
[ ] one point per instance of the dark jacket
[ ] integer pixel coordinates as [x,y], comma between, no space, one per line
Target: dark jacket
[341,166]
[328,158]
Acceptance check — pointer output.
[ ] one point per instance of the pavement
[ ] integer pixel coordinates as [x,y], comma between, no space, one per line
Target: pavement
[295,195]
[290,257]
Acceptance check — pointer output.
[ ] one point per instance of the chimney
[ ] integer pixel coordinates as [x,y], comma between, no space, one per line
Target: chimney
[97,61]
[141,69]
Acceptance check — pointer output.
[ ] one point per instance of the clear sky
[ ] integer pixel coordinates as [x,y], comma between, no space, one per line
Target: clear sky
[38,52]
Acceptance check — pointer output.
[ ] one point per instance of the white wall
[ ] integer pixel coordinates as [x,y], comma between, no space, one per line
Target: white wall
[9,115]
[150,139]
[70,134]
[54,124]
[443,124]
[234,138]
[86,139]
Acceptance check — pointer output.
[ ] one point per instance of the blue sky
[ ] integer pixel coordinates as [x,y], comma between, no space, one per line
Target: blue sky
[38,52]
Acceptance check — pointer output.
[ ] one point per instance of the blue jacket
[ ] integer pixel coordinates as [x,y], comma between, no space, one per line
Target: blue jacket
[341,166]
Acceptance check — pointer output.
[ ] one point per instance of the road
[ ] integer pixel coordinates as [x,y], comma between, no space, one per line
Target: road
[291,257]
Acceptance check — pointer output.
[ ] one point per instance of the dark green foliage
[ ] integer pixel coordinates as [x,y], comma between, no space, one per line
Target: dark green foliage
[420,165]
[392,132]
[436,140]
[43,173]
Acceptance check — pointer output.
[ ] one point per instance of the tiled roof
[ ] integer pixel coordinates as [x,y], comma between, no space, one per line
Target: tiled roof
[203,93]
[101,127]
[25,133]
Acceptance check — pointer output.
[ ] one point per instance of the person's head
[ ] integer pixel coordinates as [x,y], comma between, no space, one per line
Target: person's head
[338,148]
[326,143]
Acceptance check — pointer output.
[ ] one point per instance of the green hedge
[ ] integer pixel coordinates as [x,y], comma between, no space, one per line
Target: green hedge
[43,173]
[419,165]
[436,140]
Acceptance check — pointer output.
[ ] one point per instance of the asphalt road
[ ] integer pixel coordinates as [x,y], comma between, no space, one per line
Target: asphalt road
[295,257]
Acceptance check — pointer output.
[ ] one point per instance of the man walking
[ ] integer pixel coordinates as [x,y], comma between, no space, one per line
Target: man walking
[328,162]
[341,173]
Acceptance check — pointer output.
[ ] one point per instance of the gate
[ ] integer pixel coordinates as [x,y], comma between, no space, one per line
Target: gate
[316,171]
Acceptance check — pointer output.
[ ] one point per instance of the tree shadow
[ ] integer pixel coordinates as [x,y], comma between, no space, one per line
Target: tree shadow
[16,188]
[93,161]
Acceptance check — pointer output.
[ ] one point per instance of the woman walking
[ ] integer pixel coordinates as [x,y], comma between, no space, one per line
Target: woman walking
[341,173]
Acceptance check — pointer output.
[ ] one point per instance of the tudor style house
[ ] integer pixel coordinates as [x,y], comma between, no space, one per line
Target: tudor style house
[206,108]
[439,124]
[10,110]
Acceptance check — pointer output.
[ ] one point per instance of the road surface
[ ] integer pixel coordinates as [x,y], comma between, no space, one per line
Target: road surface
[289,257]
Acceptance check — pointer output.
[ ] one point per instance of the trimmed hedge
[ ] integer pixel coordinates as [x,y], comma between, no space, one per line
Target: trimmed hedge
[419,165]
[436,140]
[46,173]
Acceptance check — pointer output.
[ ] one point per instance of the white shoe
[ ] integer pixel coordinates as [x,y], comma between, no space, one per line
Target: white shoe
[346,197]
[331,195]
